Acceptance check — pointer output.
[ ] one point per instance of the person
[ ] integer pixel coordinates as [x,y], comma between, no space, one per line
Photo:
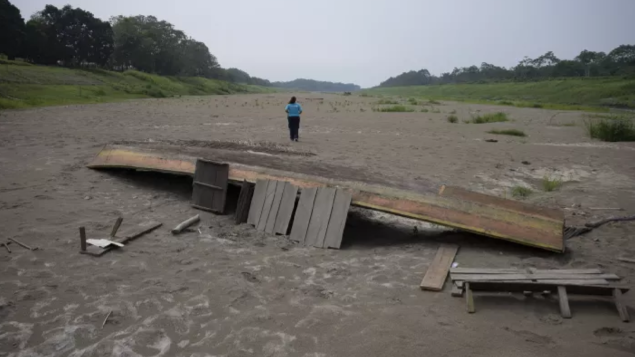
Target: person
[293,110]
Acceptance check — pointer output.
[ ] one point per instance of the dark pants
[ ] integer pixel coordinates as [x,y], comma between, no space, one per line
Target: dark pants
[294,127]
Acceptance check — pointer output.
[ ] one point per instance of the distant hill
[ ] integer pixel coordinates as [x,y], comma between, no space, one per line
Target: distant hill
[317,86]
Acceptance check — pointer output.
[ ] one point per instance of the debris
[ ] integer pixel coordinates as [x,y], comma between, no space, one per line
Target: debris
[87,198]
[606,209]
[597,224]
[525,162]
[7,246]
[627,260]
[438,271]
[103,243]
[190,221]
[491,141]
[128,234]
[22,244]
[115,228]
[106,319]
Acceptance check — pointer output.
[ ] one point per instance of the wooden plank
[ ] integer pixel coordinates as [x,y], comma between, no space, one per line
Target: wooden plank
[266,208]
[275,206]
[564,302]
[257,202]
[438,271]
[303,214]
[621,309]
[320,217]
[529,277]
[133,231]
[459,283]
[469,298]
[286,209]
[565,271]
[244,202]
[486,271]
[337,222]
[209,190]
[520,286]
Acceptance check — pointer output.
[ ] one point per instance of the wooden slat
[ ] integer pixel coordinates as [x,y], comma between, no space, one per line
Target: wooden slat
[565,311]
[303,214]
[529,277]
[469,298]
[257,202]
[337,222]
[286,209]
[521,286]
[486,271]
[320,217]
[266,207]
[561,282]
[244,202]
[210,186]
[438,271]
[565,271]
[275,206]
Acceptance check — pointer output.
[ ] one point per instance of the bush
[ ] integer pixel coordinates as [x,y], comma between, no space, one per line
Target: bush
[490,118]
[432,101]
[453,119]
[394,108]
[549,184]
[512,132]
[505,102]
[424,110]
[611,129]
[387,101]
[521,192]
[155,93]
[413,101]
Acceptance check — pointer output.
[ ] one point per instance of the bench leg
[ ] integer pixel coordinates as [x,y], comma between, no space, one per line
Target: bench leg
[621,309]
[469,299]
[564,302]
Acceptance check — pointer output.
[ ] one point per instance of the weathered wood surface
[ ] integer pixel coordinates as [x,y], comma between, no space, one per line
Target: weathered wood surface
[438,270]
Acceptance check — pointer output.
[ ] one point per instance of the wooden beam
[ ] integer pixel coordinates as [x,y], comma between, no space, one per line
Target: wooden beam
[438,271]
[564,302]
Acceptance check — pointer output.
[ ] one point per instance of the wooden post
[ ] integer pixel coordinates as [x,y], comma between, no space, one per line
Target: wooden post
[115,228]
[82,238]
[621,309]
[469,298]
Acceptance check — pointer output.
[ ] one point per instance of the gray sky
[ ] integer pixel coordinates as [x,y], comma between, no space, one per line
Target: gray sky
[367,41]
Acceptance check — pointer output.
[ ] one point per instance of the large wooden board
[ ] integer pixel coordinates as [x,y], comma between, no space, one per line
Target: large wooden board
[244,202]
[275,206]
[337,222]
[266,208]
[286,209]
[257,202]
[303,214]
[320,217]
[529,277]
[438,271]
[209,190]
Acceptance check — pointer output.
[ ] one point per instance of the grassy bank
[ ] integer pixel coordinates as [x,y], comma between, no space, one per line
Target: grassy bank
[23,86]
[593,94]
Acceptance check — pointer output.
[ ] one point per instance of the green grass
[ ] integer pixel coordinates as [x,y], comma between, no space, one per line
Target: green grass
[591,94]
[386,101]
[611,128]
[551,184]
[489,118]
[452,119]
[412,101]
[425,110]
[512,132]
[394,109]
[521,192]
[432,101]
[24,86]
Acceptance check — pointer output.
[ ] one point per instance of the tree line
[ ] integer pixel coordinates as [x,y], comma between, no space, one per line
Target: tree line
[74,37]
[618,62]
[317,86]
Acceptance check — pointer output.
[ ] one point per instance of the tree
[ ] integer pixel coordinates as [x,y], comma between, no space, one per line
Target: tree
[197,61]
[69,36]
[12,29]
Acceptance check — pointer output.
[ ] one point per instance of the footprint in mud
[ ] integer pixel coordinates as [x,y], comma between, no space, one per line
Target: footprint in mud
[531,337]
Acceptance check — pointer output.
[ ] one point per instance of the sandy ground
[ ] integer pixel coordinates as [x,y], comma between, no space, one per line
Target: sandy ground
[227,290]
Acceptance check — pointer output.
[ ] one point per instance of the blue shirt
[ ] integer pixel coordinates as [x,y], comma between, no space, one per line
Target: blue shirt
[294,110]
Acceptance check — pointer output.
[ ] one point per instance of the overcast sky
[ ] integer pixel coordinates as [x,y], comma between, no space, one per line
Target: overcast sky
[367,41]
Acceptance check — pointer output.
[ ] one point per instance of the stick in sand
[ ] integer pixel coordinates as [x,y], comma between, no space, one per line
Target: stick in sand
[7,246]
[178,229]
[106,319]
[22,244]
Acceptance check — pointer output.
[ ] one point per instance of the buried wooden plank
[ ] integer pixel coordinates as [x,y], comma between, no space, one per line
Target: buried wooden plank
[565,271]
[521,286]
[438,271]
[286,209]
[320,217]
[561,282]
[257,202]
[303,214]
[486,271]
[266,207]
[529,277]
[275,207]
[337,222]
